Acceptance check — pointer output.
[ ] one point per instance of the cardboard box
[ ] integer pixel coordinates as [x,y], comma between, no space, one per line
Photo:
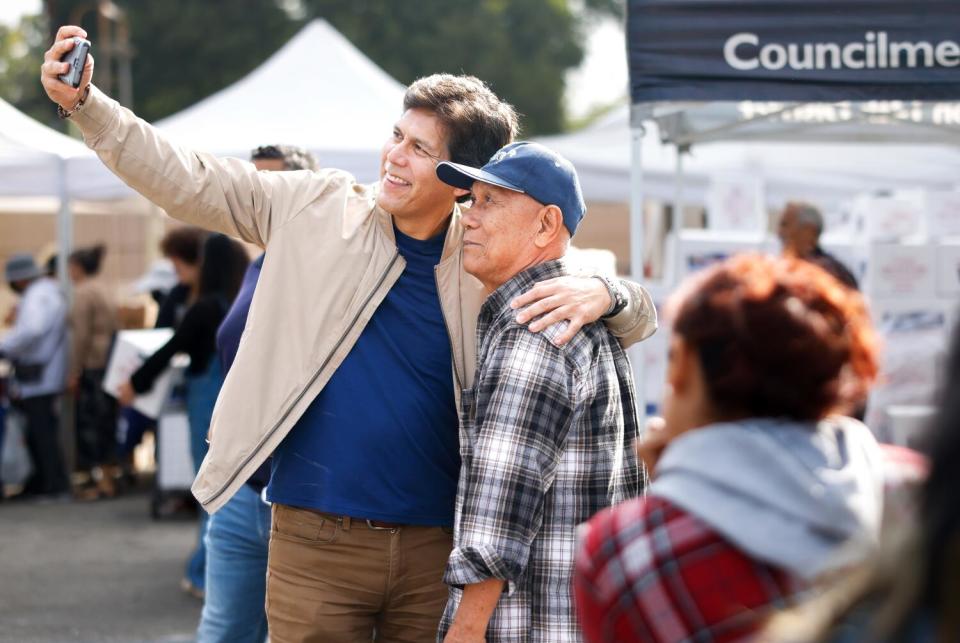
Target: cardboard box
[174,460]
[130,350]
[735,204]
[890,218]
[697,249]
[948,268]
[898,316]
[901,270]
[914,344]
[943,214]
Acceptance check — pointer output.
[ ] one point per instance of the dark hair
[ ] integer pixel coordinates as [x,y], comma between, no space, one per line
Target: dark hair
[476,122]
[777,337]
[184,243]
[221,271]
[293,157]
[89,259]
[940,509]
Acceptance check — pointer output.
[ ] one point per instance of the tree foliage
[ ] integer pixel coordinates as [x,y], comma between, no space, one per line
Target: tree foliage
[522,48]
[21,52]
[185,50]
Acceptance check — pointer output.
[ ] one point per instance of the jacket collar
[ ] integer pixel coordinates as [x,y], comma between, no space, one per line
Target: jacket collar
[451,244]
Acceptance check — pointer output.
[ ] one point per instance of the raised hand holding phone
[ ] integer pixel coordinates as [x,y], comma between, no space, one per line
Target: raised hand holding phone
[55,64]
[75,58]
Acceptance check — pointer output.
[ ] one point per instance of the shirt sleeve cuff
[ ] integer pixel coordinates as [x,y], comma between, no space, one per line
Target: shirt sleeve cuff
[95,116]
[470,565]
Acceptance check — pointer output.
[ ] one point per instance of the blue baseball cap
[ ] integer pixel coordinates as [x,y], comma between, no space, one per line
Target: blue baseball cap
[529,168]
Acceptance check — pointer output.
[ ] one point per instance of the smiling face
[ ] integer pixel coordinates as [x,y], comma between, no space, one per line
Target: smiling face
[506,232]
[409,187]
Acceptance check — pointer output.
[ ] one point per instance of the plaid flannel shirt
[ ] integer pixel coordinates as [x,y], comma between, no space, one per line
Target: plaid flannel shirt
[546,438]
[650,571]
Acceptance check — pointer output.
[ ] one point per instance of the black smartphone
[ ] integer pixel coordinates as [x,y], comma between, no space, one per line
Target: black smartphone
[77,57]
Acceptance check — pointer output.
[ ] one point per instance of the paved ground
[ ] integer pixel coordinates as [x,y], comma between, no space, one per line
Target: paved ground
[101,571]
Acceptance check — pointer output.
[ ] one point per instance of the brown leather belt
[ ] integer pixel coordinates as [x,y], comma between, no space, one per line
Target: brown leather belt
[348,521]
[379,524]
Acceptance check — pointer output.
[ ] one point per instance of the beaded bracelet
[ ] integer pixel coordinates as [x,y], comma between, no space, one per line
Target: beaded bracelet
[62,113]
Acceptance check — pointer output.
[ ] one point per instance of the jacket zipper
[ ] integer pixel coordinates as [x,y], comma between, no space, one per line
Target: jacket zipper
[313,379]
[446,324]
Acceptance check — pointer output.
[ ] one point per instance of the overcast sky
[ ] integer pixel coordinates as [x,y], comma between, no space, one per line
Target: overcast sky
[602,78]
[11,10]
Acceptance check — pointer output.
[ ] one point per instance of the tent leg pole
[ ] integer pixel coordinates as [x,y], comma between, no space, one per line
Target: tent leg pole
[64,246]
[679,221]
[637,237]
[678,193]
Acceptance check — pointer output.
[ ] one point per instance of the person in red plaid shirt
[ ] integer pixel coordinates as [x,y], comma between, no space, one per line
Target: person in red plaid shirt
[760,488]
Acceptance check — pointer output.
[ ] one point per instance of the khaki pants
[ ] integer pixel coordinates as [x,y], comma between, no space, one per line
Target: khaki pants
[331,579]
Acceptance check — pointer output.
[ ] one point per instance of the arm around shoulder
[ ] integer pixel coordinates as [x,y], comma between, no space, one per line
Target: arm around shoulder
[638,319]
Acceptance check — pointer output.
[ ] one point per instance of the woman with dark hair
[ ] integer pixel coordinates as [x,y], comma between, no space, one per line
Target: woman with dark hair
[221,271]
[93,323]
[183,248]
[760,488]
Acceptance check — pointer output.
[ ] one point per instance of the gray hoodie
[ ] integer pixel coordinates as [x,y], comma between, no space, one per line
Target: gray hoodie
[805,497]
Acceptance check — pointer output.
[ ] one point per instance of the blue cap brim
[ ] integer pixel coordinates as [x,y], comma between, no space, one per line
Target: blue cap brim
[463,176]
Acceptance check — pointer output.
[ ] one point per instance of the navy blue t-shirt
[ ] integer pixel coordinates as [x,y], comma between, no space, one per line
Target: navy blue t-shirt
[381,440]
[228,342]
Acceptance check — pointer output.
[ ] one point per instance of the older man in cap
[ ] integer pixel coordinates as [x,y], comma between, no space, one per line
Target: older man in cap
[37,346]
[546,431]
[800,227]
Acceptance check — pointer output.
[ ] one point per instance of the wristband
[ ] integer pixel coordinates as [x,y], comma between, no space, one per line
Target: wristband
[618,300]
[63,113]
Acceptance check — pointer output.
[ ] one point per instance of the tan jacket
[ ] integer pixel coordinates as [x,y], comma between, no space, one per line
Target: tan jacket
[332,259]
[93,321]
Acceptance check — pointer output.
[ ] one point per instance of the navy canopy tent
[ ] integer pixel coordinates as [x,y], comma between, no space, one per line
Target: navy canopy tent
[794,70]
[793,50]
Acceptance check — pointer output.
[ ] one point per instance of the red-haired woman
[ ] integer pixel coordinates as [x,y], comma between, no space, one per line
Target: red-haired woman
[760,485]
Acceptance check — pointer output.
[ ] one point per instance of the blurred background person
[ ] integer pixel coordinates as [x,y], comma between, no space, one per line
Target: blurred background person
[158,281]
[801,225]
[219,274]
[238,535]
[37,346]
[760,488]
[93,324]
[910,592]
[182,247]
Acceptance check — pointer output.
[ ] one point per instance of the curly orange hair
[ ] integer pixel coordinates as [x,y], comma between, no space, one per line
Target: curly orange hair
[777,337]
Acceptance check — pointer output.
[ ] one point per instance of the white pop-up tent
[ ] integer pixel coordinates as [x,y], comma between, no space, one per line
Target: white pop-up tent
[693,66]
[826,173]
[689,60]
[318,91]
[36,160]
[32,156]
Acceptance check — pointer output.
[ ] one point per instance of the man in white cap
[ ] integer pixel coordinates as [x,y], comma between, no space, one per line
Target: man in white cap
[37,346]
